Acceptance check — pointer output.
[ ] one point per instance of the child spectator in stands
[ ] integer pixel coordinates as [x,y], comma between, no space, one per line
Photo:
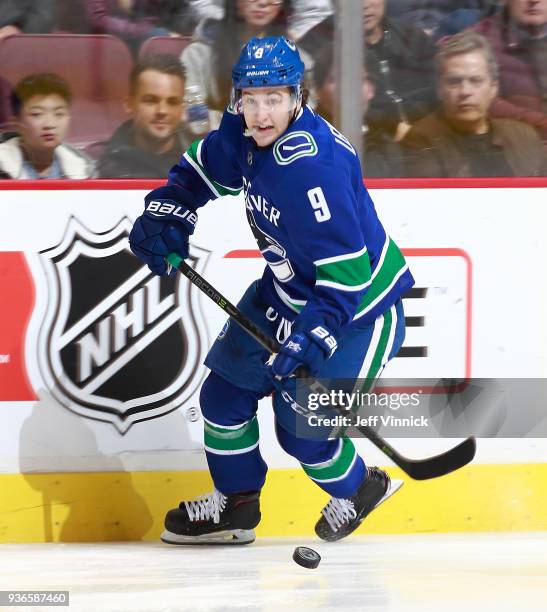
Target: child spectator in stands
[26,17]
[41,107]
[209,59]
[518,37]
[154,138]
[400,60]
[461,139]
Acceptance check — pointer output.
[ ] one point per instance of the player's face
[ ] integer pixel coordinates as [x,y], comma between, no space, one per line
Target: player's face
[44,121]
[528,13]
[466,90]
[259,13]
[157,106]
[267,112]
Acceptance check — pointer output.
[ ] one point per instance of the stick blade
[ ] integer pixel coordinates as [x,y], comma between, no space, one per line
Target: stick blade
[447,462]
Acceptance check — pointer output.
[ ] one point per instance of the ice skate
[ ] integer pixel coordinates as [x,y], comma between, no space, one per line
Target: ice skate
[342,516]
[214,518]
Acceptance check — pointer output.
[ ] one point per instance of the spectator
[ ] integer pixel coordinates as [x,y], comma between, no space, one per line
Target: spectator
[41,107]
[461,139]
[318,38]
[518,36]
[306,14]
[154,138]
[400,60]
[137,20]
[382,156]
[26,17]
[209,59]
[440,17]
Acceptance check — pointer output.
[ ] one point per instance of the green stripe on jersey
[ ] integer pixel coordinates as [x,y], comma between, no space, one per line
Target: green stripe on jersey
[287,300]
[349,272]
[369,377]
[226,441]
[376,363]
[192,155]
[336,468]
[383,278]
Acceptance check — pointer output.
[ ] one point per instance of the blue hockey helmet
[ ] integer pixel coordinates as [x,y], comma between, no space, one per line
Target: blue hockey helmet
[268,62]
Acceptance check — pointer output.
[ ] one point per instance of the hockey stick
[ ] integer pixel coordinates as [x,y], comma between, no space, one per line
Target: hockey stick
[419,469]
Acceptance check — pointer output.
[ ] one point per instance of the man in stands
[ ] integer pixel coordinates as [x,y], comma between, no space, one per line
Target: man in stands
[400,61]
[382,155]
[518,37]
[461,138]
[152,140]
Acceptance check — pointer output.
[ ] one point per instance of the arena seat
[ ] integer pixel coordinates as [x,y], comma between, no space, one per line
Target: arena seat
[96,67]
[164,44]
[5,109]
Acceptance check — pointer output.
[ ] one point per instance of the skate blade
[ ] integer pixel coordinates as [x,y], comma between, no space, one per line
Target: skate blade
[228,537]
[394,486]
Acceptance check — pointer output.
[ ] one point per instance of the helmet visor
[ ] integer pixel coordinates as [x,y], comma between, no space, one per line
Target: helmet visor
[266,100]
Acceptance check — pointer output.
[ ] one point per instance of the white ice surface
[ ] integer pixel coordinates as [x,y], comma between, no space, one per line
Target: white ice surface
[442,573]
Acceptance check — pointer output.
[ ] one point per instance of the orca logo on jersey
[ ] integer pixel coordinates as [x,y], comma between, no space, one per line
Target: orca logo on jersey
[259,203]
[107,319]
[271,250]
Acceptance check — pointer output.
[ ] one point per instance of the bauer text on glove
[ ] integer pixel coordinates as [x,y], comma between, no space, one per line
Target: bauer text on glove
[309,348]
[165,227]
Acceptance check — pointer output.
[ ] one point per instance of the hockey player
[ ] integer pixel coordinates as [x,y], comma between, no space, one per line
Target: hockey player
[330,292]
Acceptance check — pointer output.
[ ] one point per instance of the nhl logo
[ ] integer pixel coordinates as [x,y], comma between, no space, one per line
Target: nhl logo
[118,343]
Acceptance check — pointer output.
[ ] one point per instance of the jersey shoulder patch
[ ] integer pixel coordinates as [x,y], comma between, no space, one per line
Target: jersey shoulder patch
[293,146]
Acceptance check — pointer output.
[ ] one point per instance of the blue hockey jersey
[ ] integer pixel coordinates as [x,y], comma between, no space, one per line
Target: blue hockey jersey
[328,256]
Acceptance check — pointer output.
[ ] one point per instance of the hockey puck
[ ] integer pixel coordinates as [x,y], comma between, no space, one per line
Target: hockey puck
[306,557]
